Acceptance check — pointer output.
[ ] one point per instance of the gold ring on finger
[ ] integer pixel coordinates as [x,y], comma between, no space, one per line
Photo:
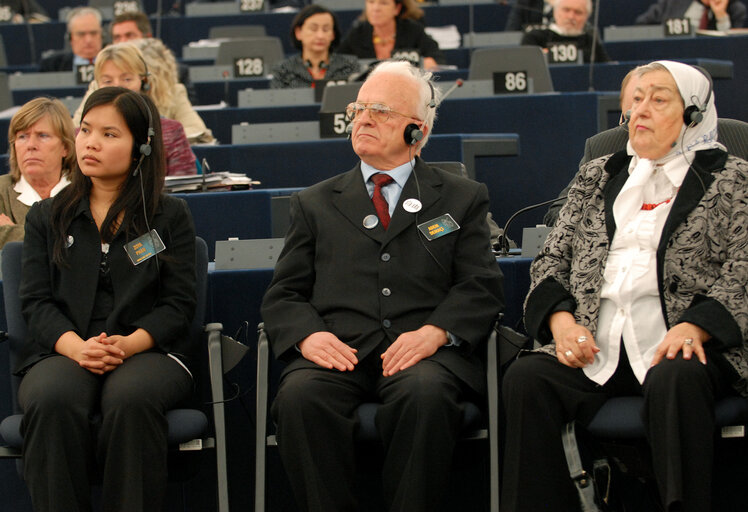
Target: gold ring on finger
[688,341]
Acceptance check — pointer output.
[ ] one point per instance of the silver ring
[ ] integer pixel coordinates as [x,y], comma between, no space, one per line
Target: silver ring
[688,341]
[568,353]
[581,339]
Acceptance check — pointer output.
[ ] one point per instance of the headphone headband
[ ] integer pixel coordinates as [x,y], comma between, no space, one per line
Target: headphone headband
[694,114]
[413,133]
[145,149]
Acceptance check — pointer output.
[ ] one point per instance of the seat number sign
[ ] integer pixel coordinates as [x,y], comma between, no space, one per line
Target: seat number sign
[251,5]
[510,82]
[249,66]
[563,53]
[677,27]
[332,125]
[84,73]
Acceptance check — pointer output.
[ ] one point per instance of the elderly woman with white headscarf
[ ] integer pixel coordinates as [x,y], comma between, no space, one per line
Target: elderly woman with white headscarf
[640,289]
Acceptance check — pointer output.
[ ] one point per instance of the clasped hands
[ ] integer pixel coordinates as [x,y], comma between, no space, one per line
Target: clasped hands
[326,350]
[103,353]
[575,345]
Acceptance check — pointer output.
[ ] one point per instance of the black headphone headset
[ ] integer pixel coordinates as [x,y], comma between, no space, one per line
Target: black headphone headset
[145,86]
[322,64]
[413,133]
[145,149]
[694,114]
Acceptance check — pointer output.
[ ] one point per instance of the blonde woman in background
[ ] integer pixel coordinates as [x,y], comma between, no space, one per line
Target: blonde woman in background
[167,93]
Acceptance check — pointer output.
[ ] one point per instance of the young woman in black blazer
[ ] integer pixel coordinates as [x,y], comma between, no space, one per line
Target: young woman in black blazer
[108,315]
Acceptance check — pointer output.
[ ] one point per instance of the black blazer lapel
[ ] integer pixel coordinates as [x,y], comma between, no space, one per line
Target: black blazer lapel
[617,168]
[351,199]
[425,187]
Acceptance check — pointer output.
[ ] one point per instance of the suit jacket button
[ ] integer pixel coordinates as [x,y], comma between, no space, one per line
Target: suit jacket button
[386,324]
[385,256]
[386,292]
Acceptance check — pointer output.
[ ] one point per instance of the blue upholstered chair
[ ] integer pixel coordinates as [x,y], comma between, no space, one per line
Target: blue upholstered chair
[188,428]
[478,424]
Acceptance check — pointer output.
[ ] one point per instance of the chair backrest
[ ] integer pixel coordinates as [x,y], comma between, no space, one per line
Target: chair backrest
[12,256]
[734,135]
[3,55]
[483,39]
[336,98]
[457,168]
[268,49]
[11,266]
[484,62]
[236,31]
[6,98]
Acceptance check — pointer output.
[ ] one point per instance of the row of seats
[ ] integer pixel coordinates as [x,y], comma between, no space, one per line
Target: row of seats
[177,31]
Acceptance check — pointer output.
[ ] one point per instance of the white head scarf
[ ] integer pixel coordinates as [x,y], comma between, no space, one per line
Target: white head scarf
[694,87]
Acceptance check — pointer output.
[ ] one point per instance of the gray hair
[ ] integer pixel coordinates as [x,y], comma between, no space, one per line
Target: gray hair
[588,4]
[427,90]
[79,12]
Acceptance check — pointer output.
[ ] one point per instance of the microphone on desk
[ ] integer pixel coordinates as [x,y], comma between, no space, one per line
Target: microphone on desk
[521,7]
[206,170]
[27,22]
[458,83]
[595,38]
[503,238]
[226,78]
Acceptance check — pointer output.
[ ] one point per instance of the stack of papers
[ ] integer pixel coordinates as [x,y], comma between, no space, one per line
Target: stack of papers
[209,182]
[448,37]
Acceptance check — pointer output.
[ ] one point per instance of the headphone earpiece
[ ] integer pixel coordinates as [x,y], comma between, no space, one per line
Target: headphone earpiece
[145,149]
[144,85]
[413,134]
[694,114]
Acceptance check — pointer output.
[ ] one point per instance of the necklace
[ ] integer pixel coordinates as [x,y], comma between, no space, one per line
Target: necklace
[383,40]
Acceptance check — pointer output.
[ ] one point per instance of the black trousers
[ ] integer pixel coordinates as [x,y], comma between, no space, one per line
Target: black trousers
[79,427]
[419,422]
[541,395]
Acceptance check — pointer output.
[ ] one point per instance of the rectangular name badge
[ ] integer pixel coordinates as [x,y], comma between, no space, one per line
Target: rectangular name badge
[440,226]
[144,247]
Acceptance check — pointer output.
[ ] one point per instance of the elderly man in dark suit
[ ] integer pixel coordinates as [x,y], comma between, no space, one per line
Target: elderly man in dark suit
[85,35]
[384,289]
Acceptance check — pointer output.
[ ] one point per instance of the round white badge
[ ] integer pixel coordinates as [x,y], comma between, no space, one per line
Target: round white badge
[69,242]
[412,205]
[371,221]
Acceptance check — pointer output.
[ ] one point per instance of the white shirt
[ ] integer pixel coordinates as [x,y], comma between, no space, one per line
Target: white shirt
[29,196]
[696,10]
[392,191]
[630,307]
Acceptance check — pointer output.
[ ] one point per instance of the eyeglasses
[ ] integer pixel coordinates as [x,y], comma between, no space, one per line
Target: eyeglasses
[379,112]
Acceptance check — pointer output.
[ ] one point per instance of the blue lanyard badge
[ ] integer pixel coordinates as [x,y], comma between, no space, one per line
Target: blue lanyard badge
[144,247]
[438,227]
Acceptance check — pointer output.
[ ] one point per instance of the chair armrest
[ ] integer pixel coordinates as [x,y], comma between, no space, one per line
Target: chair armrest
[263,371]
[216,368]
[492,384]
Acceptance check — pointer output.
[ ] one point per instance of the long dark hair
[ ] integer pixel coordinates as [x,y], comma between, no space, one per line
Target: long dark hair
[132,107]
